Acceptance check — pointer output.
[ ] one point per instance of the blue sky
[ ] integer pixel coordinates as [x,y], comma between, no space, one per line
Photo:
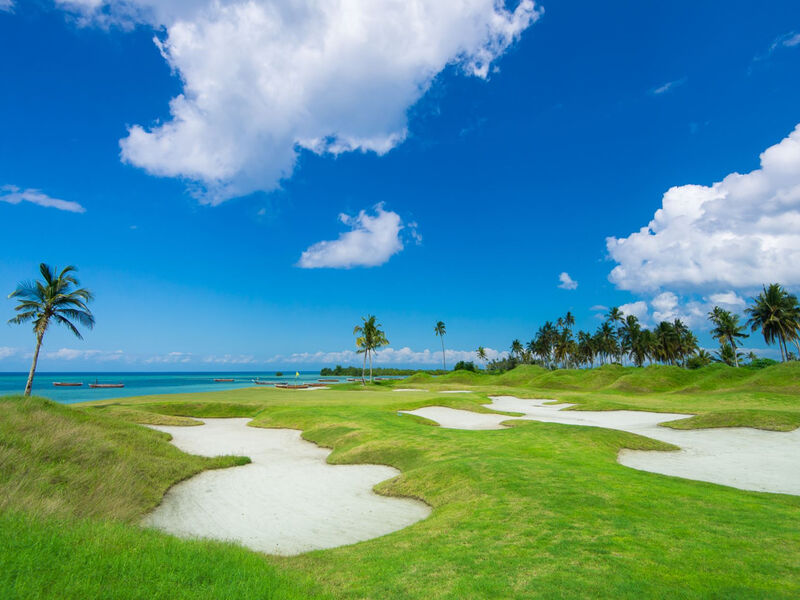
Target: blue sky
[488,160]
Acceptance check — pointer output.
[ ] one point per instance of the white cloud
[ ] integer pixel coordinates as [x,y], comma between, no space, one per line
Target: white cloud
[385,356]
[371,241]
[6,351]
[170,357]
[670,85]
[791,40]
[729,299]
[567,282]
[738,233]
[14,195]
[7,5]
[76,354]
[638,309]
[263,79]
[229,359]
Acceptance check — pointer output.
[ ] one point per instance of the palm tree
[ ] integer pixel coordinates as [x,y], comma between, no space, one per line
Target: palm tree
[777,314]
[615,315]
[727,354]
[57,297]
[516,349]
[371,337]
[439,329]
[569,320]
[727,330]
[481,354]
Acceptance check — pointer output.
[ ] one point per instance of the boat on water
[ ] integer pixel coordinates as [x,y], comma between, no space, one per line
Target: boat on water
[106,385]
[286,386]
[223,380]
[67,384]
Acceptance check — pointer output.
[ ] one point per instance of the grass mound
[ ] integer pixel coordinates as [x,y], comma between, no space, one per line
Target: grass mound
[418,378]
[63,461]
[771,421]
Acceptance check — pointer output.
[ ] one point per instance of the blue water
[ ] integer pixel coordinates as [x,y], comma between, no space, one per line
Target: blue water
[140,384]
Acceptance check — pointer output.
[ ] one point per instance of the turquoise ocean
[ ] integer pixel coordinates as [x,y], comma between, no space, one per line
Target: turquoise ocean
[141,384]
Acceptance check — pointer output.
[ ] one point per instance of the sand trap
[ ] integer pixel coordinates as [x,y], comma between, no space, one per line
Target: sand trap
[408,390]
[456,392]
[749,459]
[287,501]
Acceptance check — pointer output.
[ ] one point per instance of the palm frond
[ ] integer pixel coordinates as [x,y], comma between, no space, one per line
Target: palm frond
[68,324]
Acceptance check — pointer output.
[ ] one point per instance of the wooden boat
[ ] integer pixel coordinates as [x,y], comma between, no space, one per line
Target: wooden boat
[66,384]
[286,386]
[223,380]
[106,385]
[317,385]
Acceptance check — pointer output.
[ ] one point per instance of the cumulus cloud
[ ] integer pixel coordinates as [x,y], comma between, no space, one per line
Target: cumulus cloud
[14,195]
[76,354]
[737,233]
[263,79]
[727,299]
[371,241]
[567,282]
[169,358]
[6,351]
[230,359]
[638,309]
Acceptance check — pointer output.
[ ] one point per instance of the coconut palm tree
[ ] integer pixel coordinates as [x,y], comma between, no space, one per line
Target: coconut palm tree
[56,298]
[727,330]
[370,338]
[569,320]
[517,349]
[439,329]
[777,314]
[615,315]
[481,352]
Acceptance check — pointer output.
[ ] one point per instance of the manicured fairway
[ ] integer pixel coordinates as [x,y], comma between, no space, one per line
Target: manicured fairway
[536,510]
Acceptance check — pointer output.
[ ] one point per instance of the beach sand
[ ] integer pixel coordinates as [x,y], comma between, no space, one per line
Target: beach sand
[287,501]
[745,458]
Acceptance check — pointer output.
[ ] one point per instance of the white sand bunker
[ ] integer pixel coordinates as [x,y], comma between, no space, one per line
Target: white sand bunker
[287,501]
[749,459]
[456,392]
[408,390]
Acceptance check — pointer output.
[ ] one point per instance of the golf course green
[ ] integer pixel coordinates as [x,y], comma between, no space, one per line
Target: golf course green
[536,510]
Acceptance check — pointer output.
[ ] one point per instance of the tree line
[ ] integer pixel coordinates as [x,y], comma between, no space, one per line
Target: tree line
[775,313]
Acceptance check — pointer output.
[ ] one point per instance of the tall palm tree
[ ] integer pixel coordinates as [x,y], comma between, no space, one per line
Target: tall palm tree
[777,314]
[481,352]
[569,320]
[615,315]
[727,330]
[56,297]
[517,348]
[370,338]
[440,330]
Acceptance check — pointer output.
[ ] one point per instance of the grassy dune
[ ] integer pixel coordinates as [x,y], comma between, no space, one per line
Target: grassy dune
[537,510]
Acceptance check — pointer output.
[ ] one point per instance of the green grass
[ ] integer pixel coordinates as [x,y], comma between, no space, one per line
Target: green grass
[539,510]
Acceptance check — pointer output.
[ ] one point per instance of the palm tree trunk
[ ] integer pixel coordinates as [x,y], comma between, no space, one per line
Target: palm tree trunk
[444,366]
[735,358]
[29,385]
[370,366]
[364,368]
